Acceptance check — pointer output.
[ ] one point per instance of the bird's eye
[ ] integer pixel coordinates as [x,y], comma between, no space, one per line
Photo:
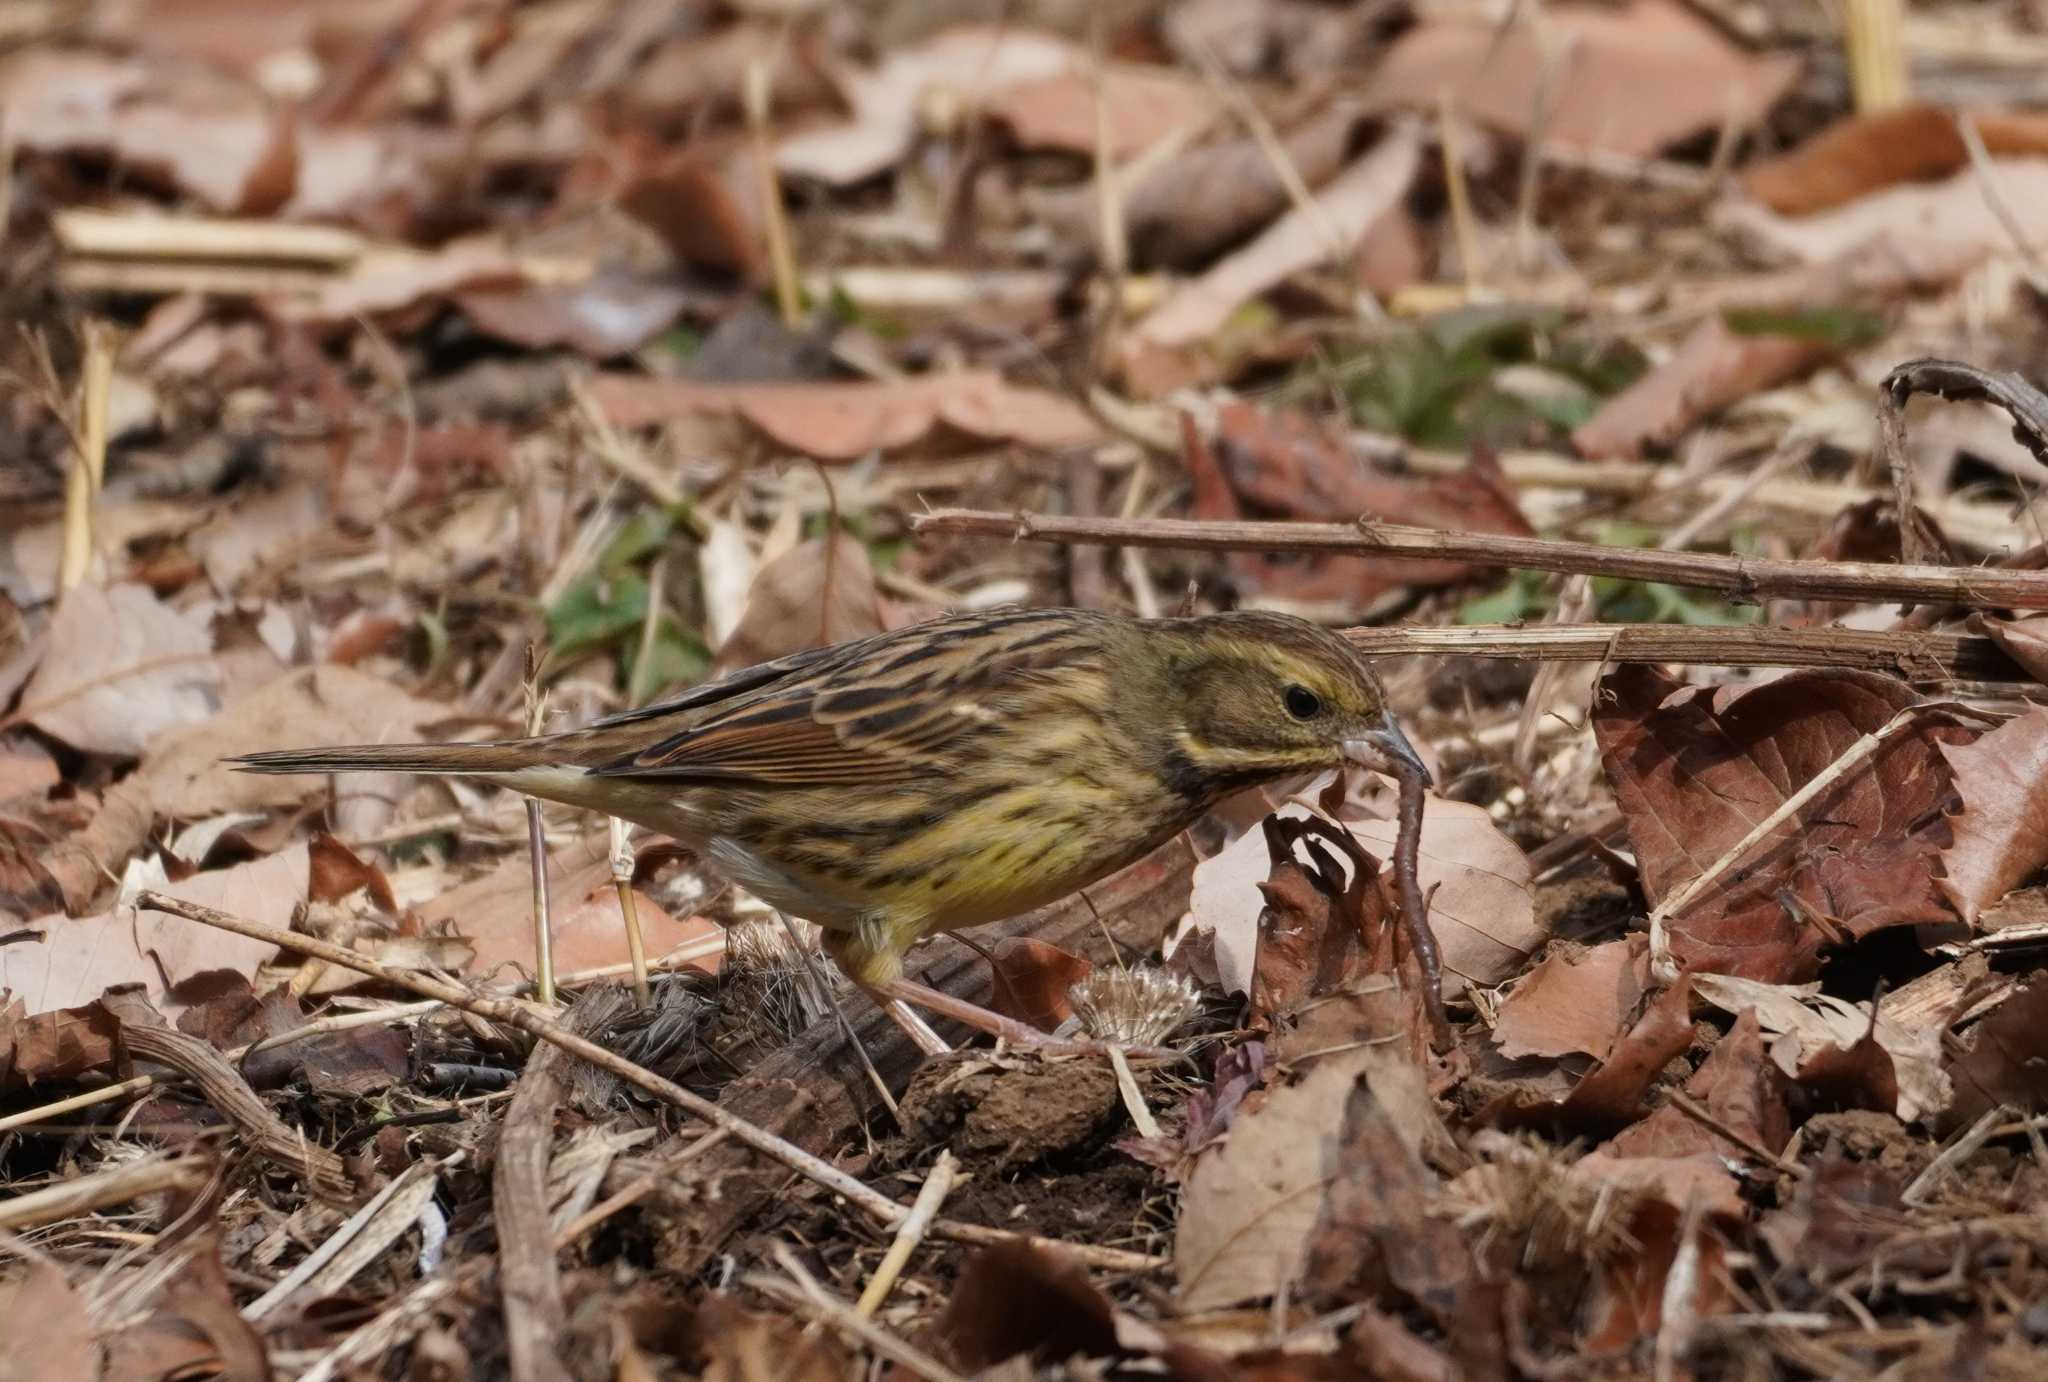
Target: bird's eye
[1302,703]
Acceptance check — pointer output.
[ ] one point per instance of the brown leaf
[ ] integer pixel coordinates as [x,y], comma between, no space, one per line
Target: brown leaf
[1577,1001]
[121,668]
[2001,1060]
[705,204]
[1184,212]
[271,890]
[1713,368]
[1628,1309]
[200,1294]
[1378,1236]
[708,68]
[72,965]
[203,132]
[2001,833]
[961,61]
[1638,77]
[1693,773]
[1944,227]
[1118,117]
[821,591]
[1839,1050]
[1841,1217]
[1611,1097]
[1282,464]
[1861,154]
[1031,981]
[183,776]
[1738,1085]
[53,1046]
[49,1332]
[1017,1299]
[843,422]
[1312,928]
[26,769]
[1251,1207]
[1483,915]
[494,914]
[1344,209]
[335,871]
[613,312]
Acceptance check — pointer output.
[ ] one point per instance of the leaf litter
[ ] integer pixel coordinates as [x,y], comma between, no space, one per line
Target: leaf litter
[648,334]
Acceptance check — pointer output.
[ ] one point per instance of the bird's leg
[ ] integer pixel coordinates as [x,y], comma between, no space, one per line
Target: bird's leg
[897,992]
[825,991]
[871,958]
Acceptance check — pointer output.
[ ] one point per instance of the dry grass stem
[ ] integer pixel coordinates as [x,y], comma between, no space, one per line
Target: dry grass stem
[802,1292]
[938,1183]
[97,1190]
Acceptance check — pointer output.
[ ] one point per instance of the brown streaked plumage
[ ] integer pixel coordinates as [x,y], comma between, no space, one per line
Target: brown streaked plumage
[951,773]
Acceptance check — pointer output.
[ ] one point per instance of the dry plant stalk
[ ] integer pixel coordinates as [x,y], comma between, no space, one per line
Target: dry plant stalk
[774,216]
[622,879]
[1873,32]
[938,1183]
[1746,578]
[537,845]
[88,471]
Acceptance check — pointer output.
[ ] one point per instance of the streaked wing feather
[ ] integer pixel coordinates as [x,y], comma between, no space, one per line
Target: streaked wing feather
[867,715]
[725,688]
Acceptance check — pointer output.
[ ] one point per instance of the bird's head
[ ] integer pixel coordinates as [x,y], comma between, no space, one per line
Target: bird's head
[1256,696]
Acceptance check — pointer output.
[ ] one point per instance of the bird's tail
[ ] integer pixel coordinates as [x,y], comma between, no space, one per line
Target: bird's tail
[482,759]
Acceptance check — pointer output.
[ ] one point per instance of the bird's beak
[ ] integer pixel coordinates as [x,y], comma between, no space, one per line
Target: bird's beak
[1387,748]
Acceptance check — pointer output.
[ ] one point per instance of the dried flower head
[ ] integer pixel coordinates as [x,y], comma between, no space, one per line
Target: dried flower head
[1140,1006]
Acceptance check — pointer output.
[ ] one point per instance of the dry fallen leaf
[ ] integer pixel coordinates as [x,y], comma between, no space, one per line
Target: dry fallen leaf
[1278,463]
[1483,909]
[270,890]
[821,591]
[2001,832]
[1626,79]
[182,777]
[1182,213]
[843,422]
[1999,1060]
[1713,368]
[1694,772]
[1576,1002]
[963,61]
[1345,209]
[1866,153]
[119,669]
[1031,980]
[48,1329]
[1250,1209]
[1738,1085]
[494,915]
[2025,642]
[1817,1023]
[1125,113]
[1951,220]
[1611,1097]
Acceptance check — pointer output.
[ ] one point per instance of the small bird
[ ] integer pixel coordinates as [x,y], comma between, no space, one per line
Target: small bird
[951,773]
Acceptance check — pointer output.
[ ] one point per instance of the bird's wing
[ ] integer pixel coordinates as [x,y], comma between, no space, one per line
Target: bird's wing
[883,714]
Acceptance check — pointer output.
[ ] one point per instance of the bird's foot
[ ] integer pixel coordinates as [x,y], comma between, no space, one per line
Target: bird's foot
[901,994]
